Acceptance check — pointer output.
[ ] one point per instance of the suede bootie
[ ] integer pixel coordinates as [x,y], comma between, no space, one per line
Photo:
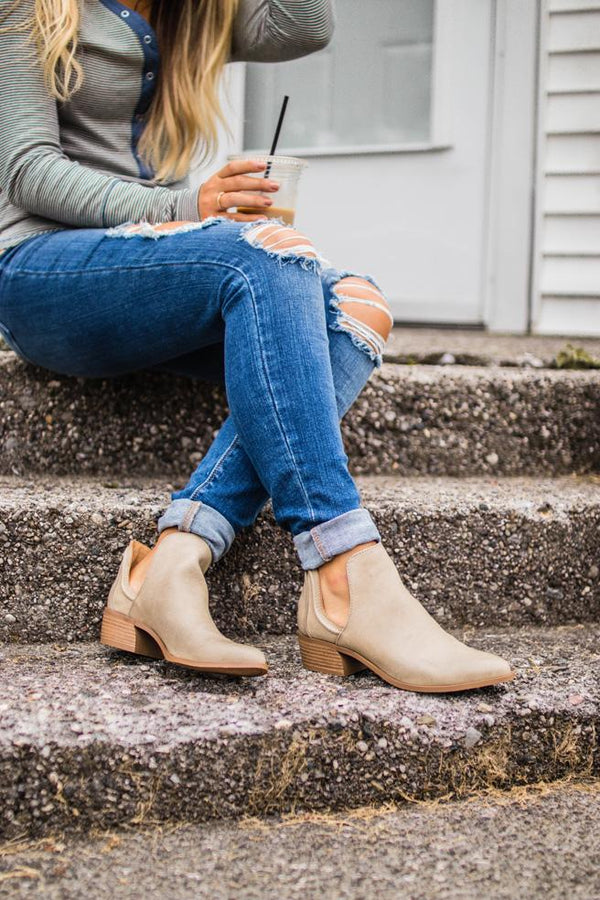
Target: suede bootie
[389,632]
[169,618]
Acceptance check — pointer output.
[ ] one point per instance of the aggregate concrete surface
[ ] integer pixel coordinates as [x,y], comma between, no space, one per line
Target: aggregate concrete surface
[438,420]
[470,347]
[480,551]
[541,844]
[94,737]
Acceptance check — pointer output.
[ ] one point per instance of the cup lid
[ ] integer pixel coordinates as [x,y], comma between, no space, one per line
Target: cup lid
[294,161]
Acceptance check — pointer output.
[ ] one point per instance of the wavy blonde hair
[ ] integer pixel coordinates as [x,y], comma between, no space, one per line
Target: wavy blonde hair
[194,38]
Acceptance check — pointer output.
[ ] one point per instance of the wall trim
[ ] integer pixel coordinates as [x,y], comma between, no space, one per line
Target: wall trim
[512,166]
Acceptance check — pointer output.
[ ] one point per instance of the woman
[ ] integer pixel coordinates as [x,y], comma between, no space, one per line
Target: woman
[113,263]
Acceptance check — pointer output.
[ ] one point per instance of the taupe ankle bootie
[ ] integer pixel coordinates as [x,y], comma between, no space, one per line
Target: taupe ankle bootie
[169,616]
[389,632]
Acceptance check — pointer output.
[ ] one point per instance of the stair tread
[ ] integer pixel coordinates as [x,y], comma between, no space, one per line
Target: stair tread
[469,346]
[510,367]
[88,689]
[458,420]
[483,551]
[542,843]
[149,732]
[416,491]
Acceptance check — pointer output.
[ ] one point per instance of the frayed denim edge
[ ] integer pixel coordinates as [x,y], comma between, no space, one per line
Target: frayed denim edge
[148,230]
[340,315]
[312,264]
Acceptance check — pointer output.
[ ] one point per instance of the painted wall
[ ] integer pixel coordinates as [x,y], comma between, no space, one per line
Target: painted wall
[567,247]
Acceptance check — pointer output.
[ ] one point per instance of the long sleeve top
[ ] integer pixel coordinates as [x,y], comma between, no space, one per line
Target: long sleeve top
[75,164]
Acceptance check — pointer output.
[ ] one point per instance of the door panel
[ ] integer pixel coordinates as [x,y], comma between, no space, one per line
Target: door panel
[414,217]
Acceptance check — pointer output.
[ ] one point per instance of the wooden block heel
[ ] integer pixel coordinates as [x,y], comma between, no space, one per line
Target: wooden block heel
[120,631]
[321,656]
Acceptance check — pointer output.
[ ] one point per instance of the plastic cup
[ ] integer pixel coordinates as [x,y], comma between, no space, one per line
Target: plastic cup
[286,171]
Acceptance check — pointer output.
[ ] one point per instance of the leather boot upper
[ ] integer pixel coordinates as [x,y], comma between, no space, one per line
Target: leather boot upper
[389,628]
[173,602]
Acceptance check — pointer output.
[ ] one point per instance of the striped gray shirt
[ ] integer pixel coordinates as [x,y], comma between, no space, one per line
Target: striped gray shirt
[76,164]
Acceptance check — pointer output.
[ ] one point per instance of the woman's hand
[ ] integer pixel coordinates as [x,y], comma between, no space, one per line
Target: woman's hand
[236,188]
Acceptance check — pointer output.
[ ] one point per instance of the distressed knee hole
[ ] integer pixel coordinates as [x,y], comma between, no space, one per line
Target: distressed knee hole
[364,312]
[281,240]
[147,229]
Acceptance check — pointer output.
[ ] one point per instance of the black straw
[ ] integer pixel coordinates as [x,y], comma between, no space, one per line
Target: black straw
[276,137]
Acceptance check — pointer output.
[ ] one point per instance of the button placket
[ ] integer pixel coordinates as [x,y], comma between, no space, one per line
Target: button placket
[149,46]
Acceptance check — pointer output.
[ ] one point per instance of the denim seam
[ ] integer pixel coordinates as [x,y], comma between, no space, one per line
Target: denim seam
[190,515]
[317,538]
[215,469]
[163,265]
[268,383]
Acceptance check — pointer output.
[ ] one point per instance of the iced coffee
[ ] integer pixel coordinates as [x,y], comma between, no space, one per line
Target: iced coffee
[286,171]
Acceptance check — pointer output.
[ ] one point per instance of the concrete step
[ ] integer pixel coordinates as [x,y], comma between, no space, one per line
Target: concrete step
[91,737]
[467,346]
[444,420]
[480,551]
[541,842]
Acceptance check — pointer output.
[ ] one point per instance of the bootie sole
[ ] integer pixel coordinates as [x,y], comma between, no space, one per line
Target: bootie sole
[124,633]
[321,656]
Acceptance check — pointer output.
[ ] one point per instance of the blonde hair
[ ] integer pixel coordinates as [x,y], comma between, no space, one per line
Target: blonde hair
[194,38]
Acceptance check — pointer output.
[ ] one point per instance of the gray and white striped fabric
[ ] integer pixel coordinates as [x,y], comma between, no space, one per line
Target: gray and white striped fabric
[76,164]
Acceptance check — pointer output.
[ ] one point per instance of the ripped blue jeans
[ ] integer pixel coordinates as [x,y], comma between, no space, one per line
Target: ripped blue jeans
[204,297]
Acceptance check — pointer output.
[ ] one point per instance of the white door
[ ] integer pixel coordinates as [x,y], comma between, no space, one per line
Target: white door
[393,118]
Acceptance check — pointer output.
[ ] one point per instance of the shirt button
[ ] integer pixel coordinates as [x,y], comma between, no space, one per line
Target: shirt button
[147,39]
[149,76]
[125,13]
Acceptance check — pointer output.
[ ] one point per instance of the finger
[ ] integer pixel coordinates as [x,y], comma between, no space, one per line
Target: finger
[236,198]
[242,217]
[247,183]
[240,166]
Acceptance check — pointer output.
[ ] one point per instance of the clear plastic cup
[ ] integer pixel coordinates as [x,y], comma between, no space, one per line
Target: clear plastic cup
[286,171]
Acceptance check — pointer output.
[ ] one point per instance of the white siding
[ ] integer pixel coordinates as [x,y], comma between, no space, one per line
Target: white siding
[567,263]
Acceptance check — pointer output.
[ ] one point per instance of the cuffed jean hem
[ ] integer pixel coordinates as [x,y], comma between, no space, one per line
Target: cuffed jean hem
[200,519]
[323,542]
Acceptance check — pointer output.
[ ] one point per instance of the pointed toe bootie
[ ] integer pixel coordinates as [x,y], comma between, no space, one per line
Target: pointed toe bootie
[169,618]
[389,632]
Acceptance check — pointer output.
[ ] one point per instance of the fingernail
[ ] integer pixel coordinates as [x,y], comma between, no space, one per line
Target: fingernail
[273,186]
